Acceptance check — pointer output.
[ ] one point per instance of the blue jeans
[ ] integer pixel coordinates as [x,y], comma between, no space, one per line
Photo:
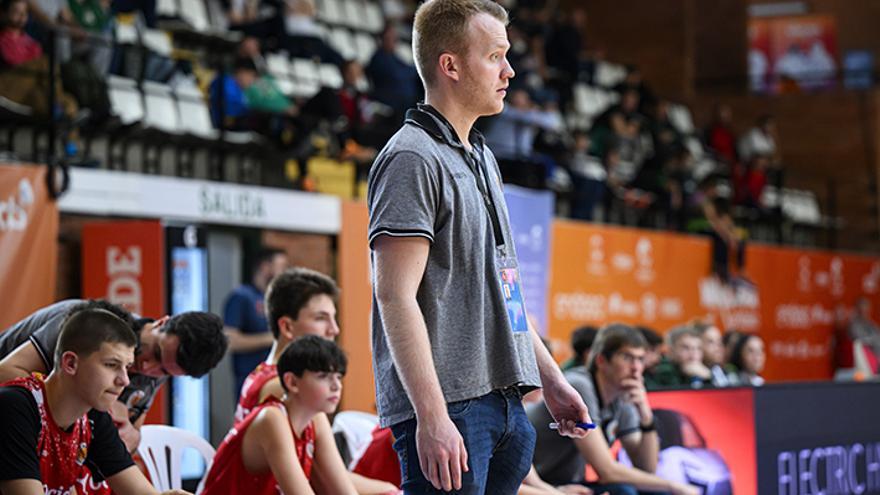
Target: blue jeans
[497,435]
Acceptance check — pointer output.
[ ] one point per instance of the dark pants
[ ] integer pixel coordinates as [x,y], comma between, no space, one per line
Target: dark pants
[497,435]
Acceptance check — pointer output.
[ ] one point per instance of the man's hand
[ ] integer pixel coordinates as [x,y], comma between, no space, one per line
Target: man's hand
[633,391]
[567,408]
[176,492]
[442,454]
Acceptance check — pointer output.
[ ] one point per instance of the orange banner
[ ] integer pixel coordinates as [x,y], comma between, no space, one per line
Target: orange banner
[603,274]
[28,242]
[124,263]
[354,307]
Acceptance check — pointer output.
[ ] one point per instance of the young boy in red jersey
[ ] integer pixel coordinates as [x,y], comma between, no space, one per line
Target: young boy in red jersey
[299,302]
[278,446]
[51,429]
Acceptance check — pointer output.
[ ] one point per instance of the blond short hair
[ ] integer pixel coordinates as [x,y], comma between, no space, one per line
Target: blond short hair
[441,26]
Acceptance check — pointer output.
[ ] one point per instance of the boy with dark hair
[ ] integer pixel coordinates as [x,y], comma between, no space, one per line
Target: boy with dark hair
[278,447]
[299,302]
[55,427]
[186,344]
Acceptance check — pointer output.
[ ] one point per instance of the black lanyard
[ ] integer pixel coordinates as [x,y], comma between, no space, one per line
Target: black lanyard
[423,120]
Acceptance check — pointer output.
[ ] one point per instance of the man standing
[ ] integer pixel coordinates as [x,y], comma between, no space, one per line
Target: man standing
[245,319]
[452,349]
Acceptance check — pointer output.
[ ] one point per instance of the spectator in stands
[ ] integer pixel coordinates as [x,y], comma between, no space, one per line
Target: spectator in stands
[588,177]
[253,102]
[720,136]
[635,82]
[729,339]
[748,358]
[713,353]
[581,341]
[303,36]
[760,140]
[96,20]
[563,52]
[862,327]
[511,136]
[257,19]
[684,366]
[24,69]
[621,124]
[366,122]
[245,319]
[611,384]
[147,9]
[654,350]
[622,193]
[750,179]
[395,82]
[714,219]
[666,137]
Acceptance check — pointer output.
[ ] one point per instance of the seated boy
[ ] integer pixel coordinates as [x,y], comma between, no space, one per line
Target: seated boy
[278,446]
[51,428]
[299,302]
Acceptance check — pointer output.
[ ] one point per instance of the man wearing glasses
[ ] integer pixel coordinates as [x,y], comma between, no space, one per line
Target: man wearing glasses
[611,385]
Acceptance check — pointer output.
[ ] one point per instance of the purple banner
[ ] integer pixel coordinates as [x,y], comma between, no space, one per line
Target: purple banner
[530,215]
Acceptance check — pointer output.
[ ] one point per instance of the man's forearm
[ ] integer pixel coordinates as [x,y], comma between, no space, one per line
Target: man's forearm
[407,338]
[647,453]
[245,342]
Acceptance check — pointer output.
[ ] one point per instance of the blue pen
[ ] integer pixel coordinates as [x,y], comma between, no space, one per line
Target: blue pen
[583,426]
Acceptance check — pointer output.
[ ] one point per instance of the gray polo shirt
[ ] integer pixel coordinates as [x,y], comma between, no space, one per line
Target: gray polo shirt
[557,458]
[42,329]
[425,184]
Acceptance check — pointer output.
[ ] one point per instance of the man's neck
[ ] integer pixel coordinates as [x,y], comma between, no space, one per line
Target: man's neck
[461,119]
[276,350]
[260,283]
[606,390]
[64,408]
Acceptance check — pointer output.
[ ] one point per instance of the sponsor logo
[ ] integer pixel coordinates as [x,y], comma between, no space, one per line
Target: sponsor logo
[14,209]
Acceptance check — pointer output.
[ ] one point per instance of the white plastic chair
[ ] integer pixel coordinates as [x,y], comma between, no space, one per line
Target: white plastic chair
[357,427]
[162,448]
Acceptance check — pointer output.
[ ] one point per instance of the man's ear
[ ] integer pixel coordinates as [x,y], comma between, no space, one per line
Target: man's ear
[69,363]
[285,328]
[449,65]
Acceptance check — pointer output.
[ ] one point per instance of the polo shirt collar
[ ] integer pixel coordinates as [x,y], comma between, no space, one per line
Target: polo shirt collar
[434,123]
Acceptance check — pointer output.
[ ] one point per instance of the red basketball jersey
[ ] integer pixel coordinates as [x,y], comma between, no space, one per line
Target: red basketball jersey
[62,453]
[250,390]
[227,474]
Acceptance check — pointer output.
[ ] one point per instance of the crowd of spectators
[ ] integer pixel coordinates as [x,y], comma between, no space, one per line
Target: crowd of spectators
[632,164]
[694,355]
